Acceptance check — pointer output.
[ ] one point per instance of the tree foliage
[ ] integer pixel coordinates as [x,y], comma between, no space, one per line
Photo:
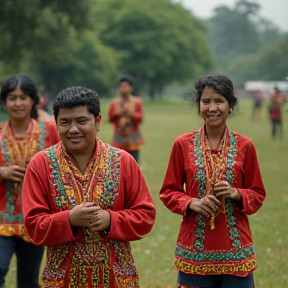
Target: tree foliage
[159,41]
[246,46]
[53,40]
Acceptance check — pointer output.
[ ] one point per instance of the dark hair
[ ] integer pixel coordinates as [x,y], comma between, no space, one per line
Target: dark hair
[221,84]
[127,78]
[26,85]
[77,96]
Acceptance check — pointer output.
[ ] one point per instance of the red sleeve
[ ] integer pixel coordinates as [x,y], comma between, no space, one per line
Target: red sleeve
[42,225]
[172,193]
[52,136]
[138,113]
[111,113]
[253,192]
[137,217]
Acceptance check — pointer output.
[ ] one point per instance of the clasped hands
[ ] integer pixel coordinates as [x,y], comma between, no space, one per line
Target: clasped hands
[210,205]
[90,216]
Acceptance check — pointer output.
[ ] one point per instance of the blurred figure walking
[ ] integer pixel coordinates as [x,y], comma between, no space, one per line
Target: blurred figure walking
[276,113]
[126,115]
[258,99]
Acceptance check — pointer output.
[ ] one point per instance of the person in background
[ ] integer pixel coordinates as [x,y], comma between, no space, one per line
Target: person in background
[275,113]
[214,182]
[85,200]
[258,99]
[126,115]
[21,137]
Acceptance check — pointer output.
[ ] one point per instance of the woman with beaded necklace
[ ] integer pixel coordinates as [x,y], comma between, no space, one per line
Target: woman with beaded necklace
[21,136]
[213,180]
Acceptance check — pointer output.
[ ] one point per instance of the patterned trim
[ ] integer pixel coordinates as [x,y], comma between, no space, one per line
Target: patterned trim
[231,220]
[42,136]
[213,256]
[201,177]
[243,268]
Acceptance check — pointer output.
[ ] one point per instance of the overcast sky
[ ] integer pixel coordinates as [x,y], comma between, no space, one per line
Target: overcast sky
[274,10]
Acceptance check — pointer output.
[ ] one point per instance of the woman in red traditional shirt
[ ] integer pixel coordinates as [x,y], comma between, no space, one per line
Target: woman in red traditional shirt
[20,137]
[213,180]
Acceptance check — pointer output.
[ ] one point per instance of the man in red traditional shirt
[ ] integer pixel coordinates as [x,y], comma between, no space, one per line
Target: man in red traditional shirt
[85,200]
[126,115]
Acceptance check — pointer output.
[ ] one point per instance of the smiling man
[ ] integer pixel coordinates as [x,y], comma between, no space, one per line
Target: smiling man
[78,201]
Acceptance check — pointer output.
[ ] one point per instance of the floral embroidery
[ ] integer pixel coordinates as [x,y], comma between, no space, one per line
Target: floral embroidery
[231,220]
[214,256]
[201,177]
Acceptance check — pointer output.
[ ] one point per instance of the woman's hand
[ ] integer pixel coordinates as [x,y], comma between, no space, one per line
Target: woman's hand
[208,206]
[223,188]
[13,173]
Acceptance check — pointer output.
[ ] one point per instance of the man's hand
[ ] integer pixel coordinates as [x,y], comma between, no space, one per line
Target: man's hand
[90,216]
[82,215]
[101,222]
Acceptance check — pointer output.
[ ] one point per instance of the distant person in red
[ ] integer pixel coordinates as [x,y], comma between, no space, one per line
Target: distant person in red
[275,113]
[258,99]
[126,115]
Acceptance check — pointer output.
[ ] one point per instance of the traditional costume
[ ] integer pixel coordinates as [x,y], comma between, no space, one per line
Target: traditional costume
[221,244]
[77,257]
[126,134]
[19,151]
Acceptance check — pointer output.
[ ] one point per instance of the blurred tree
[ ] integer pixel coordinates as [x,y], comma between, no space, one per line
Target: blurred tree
[273,60]
[240,40]
[53,40]
[232,32]
[36,26]
[91,64]
[159,41]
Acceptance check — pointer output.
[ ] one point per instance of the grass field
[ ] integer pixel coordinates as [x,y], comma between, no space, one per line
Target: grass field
[164,121]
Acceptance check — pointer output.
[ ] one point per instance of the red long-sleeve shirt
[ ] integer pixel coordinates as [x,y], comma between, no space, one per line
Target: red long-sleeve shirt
[228,249]
[118,186]
[135,140]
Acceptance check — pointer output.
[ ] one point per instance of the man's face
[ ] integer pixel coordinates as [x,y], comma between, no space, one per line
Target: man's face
[125,88]
[77,129]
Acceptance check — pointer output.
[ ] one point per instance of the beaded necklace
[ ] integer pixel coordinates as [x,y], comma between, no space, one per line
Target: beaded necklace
[23,150]
[82,184]
[214,165]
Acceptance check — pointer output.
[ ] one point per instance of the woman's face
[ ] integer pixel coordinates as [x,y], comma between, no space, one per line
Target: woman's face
[18,104]
[214,108]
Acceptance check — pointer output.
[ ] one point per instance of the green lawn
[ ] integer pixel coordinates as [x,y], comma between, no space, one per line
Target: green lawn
[164,121]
